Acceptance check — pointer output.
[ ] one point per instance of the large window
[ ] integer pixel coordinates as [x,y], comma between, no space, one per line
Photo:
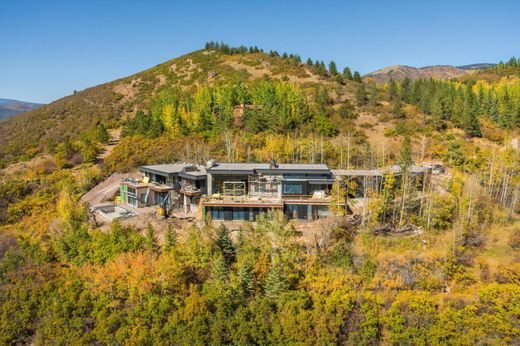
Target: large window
[293,188]
[234,188]
[132,200]
[217,213]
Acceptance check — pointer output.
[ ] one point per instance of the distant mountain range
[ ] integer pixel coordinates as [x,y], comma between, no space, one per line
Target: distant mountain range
[481,66]
[8,108]
[386,74]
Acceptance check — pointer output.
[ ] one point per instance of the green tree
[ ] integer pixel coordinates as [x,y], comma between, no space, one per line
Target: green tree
[361,95]
[391,90]
[333,69]
[170,240]
[357,77]
[225,245]
[347,74]
[398,111]
[151,244]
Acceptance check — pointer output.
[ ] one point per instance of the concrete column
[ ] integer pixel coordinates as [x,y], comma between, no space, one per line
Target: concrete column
[186,204]
[209,183]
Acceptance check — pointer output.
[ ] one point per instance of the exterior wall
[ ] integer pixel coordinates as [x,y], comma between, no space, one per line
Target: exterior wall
[291,211]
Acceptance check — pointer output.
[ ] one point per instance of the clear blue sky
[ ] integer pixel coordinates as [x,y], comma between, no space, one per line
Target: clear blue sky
[50,48]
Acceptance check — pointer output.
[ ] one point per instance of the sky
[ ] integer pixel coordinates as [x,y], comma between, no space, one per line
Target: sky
[50,48]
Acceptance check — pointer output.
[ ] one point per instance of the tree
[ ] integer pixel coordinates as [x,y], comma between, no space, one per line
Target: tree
[392,90]
[225,245]
[332,68]
[361,95]
[170,239]
[347,110]
[372,94]
[309,62]
[357,77]
[397,110]
[151,244]
[275,283]
[246,280]
[470,117]
[347,74]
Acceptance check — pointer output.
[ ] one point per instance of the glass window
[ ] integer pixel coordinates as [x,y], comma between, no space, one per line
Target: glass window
[132,201]
[293,189]
[131,190]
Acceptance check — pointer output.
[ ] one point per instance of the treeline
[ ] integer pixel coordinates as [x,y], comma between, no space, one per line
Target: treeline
[263,106]
[319,66]
[461,104]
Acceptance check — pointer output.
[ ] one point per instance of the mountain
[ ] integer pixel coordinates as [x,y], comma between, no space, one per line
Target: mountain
[8,108]
[401,72]
[110,103]
[479,66]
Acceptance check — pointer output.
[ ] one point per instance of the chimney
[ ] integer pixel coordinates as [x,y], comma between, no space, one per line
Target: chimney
[211,163]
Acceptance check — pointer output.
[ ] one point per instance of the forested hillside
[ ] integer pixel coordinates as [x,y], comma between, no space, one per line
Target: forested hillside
[351,279]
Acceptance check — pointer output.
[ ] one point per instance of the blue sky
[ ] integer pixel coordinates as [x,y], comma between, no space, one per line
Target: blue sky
[50,48]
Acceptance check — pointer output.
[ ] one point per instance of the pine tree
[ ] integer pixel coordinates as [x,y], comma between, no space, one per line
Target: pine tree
[225,245]
[361,95]
[392,90]
[151,243]
[246,280]
[332,68]
[309,62]
[397,110]
[357,77]
[275,283]
[405,90]
[470,117]
[347,74]
[170,239]
[220,269]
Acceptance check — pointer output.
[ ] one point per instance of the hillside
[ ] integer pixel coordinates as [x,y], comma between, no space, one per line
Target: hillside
[432,260]
[110,103]
[8,108]
[399,72]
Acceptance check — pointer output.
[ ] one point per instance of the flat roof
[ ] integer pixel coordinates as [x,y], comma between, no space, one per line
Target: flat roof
[266,167]
[186,169]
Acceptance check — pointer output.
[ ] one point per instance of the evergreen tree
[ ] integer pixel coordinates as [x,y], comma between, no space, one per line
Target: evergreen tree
[398,111]
[405,90]
[220,269]
[332,68]
[170,239]
[357,77]
[309,62]
[151,244]
[275,283]
[347,74]
[361,95]
[392,90]
[225,245]
[246,280]
[470,117]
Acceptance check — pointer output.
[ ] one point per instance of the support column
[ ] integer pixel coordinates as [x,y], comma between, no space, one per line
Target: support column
[186,204]
[209,184]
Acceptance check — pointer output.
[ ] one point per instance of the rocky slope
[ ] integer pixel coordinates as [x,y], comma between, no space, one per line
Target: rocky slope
[401,72]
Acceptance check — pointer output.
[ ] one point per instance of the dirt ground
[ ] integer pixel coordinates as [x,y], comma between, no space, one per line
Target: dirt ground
[104,192]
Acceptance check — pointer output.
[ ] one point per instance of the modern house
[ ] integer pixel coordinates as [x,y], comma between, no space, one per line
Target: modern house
[167,185]
[243,191]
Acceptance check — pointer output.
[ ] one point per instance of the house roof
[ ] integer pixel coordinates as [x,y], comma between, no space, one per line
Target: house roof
[246,168]
[187,170]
